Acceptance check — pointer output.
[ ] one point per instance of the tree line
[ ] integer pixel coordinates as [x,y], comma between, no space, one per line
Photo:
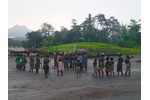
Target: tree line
[92,29]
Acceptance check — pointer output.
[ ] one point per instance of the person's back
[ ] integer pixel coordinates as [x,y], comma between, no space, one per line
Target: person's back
[17,59]
[120,61]
[46,61]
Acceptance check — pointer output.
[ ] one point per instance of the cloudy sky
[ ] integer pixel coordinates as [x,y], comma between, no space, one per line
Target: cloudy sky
[33,13]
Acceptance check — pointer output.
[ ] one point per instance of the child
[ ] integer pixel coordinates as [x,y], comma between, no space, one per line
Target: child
[31,64]
[101,65]
[119,65]
[95,68]
[112,67]
[128,64]
[107,65]
[78,68]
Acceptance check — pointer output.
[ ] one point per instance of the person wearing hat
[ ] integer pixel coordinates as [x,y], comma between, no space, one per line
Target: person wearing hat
[119,64]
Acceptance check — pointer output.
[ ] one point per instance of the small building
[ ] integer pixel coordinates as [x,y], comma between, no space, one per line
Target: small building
[13,51]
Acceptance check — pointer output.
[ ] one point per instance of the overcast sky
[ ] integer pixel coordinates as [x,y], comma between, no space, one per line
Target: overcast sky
[33,13]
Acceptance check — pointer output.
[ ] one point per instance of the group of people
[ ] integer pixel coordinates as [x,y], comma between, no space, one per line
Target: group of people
[100,65]
[62,62]
[76,62]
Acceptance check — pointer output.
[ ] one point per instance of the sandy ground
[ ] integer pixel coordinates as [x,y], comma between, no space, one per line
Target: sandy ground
[32,86]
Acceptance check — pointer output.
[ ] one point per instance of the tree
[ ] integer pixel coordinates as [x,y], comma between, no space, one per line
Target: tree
[88,29]
[34,39]
[46,29]
[12,42]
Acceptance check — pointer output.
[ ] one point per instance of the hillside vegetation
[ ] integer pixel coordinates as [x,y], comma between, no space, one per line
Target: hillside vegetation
[93,48]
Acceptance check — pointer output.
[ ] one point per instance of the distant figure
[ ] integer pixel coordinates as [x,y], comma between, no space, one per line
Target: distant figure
[60,64]
[21,63]
[55,61]
[46,66]
[24,60]
[78,68]
[128,64]
[101,65]
[107,65]
[31,63]
[95,70]
[17,60]
[112,67]
[66,62]
[85,60]
[119,64]
[37,63]
[80,56]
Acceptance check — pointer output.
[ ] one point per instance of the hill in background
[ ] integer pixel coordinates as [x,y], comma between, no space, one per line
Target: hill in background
[93,48]
[17,31]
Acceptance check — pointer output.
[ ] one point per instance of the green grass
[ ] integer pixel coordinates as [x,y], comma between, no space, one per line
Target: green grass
[93,48]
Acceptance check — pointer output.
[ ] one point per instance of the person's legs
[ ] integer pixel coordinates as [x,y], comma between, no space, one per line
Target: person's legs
[126,72]
[36,70]
[46,72]
[61,73]
[99,73]
[121,73]
[80,74]
[118,73]
[113,73]
[24,67]
[129,72]
[58,72]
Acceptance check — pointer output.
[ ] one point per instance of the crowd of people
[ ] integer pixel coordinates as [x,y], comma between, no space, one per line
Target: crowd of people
[76,62]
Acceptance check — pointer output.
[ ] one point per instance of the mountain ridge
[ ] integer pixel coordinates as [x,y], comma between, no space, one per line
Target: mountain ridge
[18,31]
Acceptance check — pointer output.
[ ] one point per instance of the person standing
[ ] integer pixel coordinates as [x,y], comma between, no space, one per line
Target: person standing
[46,66]
[119,64]
[60,64]
[24,60]
[80,56]
[78,68]
[85,60]
[17,60]
[95,70]
[37,63]
[128,65]
[107,65]
[31,63]
[101,65]
[112,67]
[66,62]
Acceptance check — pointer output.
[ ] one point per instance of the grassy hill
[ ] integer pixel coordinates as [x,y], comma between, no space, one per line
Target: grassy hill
[93,48]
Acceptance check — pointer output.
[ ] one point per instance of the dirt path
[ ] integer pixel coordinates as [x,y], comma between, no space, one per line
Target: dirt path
[31,86]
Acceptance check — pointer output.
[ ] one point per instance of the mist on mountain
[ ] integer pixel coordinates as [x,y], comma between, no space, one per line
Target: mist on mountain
[18,31]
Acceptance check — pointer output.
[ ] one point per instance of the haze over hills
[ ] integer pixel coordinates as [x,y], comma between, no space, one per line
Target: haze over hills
[18,31]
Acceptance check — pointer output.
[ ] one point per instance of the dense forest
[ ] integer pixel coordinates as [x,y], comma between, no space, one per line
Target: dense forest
[92,29]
